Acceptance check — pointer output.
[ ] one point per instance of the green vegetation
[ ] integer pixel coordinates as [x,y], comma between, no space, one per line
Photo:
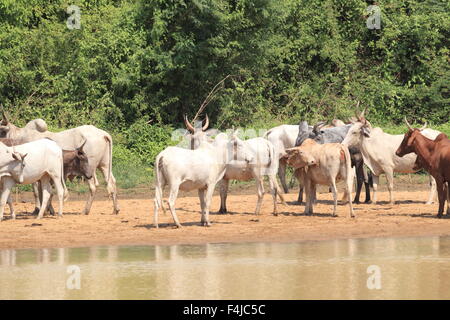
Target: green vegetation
[134,68]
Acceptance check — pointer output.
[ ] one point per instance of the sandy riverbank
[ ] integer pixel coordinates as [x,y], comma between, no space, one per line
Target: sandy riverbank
[409,217]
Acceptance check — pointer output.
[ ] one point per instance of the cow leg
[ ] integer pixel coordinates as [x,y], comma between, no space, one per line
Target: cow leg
[335,196]
[359,168]
[223,195]
[92,189]
[447,187]
[111,187]
[367,178]
[273,191]
[432,190]
[208,198]
[37,197]
[172,197]
[300,186]
[441,196]
[46,191]
[282,175]
[376,179]
[310,192]
[300,195]
[260,191]
[60,194]
[348,188]
[11,207]
[8,184]
[390,185]
[201,196]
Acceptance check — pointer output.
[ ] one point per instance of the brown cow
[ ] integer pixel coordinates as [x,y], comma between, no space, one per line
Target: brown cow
[75,165]
[322,164]
[434,157]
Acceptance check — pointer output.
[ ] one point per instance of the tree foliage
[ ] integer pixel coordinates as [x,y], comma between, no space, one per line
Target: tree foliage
[158,59]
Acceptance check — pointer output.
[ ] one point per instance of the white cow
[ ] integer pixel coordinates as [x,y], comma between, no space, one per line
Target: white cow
[378,150]
[282,137]
[98,148]
[44,163]
[11,165]
[200,169]
[265,163]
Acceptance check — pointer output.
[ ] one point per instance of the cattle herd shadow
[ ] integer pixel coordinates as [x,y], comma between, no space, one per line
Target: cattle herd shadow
[172,225]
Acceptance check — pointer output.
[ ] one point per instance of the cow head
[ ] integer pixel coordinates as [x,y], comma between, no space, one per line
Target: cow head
[304,132]
[301,157]
[16,166]
[360,129]
[407,145]
[196,134]
[76,163]
[239,150]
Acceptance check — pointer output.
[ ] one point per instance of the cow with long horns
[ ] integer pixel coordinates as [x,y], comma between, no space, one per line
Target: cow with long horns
[378,150]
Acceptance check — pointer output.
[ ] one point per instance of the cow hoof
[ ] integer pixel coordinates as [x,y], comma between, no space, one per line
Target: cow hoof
[275,214]
[368,201]
[178,226]
[35,212]
[222,211]
[116,211]
[429,202]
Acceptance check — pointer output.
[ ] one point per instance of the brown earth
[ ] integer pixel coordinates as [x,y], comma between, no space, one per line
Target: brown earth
[408,217]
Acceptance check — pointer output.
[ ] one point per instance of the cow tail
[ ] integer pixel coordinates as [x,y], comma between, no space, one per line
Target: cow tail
[266,135]
[273,167]
[348,165]
[109,140]
[63,181]
[159,182]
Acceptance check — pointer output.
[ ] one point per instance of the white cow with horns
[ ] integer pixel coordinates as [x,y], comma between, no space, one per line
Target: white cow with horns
[378,150]
[42,161]
[201,169]
[265,163]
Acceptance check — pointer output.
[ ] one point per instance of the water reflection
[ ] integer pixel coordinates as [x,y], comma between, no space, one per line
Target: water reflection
[412,268]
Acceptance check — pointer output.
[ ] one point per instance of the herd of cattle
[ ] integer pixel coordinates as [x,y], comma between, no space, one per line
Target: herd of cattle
[320,155]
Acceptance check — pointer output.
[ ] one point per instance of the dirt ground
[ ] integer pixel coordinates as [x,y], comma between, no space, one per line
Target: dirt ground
[133,226]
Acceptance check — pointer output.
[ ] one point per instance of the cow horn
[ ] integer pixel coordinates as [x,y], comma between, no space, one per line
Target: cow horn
[363,113]
[188,124]
[424,126]
[80,148]
[5,118]
[23,156]
[206,125]
[318,125]
[407,123]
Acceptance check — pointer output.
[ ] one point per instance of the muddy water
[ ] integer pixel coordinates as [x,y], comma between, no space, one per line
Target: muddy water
[411,268]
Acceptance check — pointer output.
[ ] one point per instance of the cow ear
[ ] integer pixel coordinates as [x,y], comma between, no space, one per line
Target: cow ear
[366,132]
